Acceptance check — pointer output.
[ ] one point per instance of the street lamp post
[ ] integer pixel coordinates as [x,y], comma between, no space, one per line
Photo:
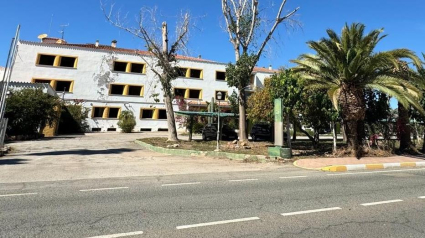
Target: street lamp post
[219,94]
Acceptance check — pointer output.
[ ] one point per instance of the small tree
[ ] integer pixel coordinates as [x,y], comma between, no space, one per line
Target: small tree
[243,24]
[127,121]
[260,104]
[28,110]
[73,118]
[162,55]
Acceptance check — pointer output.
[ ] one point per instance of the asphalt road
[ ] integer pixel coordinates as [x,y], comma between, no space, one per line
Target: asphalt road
[290,203]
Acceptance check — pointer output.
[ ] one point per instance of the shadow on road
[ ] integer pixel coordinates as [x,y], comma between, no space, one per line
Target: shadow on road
[85,152]
[12,161]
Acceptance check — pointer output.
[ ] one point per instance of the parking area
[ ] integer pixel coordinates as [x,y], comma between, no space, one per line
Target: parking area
[104,155]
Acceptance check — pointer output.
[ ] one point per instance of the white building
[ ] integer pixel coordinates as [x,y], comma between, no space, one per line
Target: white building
[108,80]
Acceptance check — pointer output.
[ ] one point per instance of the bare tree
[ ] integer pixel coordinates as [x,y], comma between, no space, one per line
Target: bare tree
[243,26]
[161,57]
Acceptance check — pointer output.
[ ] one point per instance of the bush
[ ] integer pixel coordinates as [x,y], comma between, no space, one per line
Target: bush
[28,110]
[127,121]
[73,119]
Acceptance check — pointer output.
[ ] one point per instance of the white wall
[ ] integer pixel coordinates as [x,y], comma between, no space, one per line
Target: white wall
[93,76]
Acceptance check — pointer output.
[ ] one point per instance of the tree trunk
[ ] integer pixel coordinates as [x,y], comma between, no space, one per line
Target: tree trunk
[344,134]
[353,113]
[423,146]
[190,127]
[334,136]
[242,116]
[403,128]
[294,133]
[172,131]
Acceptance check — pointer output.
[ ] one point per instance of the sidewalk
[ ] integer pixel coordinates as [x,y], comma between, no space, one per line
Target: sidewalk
[366,163]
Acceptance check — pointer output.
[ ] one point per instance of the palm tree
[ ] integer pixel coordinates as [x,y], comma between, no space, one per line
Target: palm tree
[346,65]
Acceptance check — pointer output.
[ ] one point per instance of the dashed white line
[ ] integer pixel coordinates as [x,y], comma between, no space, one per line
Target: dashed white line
[101,189]
[119,235]
[217,223]
[422,197]
[17,194]
[242,180]
[375,172]
[311,211]
[292,177]
[381,202]
[179,184]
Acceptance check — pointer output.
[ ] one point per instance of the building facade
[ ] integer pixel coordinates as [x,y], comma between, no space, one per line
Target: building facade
[108,80]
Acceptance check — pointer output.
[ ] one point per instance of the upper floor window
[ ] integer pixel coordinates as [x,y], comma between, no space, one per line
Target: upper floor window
[57,60]
[191,73]
[129,67]
[188,93]
[220,75]
[126,90]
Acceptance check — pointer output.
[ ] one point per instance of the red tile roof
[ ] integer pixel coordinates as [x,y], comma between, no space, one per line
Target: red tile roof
[54,41]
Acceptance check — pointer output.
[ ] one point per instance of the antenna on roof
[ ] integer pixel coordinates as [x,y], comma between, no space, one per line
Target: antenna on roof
[62,31]
[42,36]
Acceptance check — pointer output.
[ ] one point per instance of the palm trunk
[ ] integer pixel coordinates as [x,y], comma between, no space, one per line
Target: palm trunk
[172,131]
[353,113]
[403,128]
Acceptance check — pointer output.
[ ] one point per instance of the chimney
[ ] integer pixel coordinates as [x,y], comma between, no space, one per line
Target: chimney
[199,56]
[270,67]
[114,44]
[97,43]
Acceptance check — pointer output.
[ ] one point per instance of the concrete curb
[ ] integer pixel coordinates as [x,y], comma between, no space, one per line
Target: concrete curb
[351,167]
[231,156]
[296,165]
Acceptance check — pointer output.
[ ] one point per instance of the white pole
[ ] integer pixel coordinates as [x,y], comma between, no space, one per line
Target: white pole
[218,127]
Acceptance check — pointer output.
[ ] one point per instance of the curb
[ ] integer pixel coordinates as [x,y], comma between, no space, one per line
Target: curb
[296,165]
[351,167]
[231,156]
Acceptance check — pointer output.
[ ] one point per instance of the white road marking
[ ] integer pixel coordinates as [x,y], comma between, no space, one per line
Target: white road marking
[101,189]
[422,197]
[179,184]
[374,172]
[242,180]
[119,235]
[311,211]
[291,177]
[381,202]
[217,223]
[17,194]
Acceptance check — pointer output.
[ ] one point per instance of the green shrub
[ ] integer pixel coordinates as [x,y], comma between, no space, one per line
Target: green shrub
[127,121]
[28,110]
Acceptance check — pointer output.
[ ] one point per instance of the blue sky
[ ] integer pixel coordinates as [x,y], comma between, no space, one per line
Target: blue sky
[404,21]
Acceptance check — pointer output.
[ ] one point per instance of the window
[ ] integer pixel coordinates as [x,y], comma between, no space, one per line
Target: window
[137,68]
[46,60]
[162,114]
[129,67]
[223,95]
[63,86]
[147,113]
[135,90]
[116,89]
[220,75]
[120,66]
[195,73]
[111,129]
[98,112]
[113,112]
[195,93]
[67,61]
[153,113]
[179,92]
[57,61]
[42,81]
[58,85]
[182,72]
[126,90]
[106,112]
